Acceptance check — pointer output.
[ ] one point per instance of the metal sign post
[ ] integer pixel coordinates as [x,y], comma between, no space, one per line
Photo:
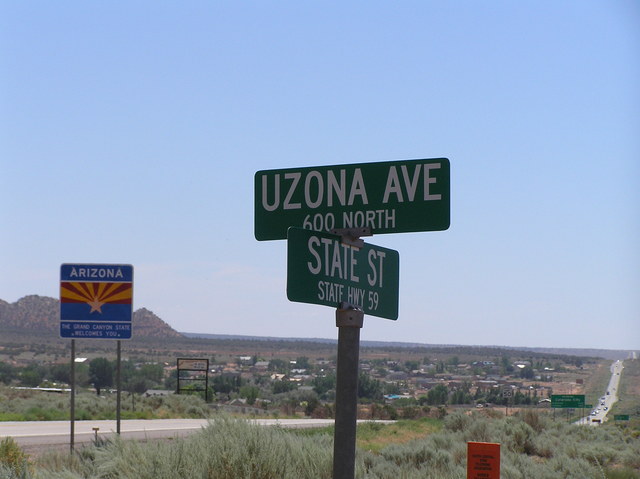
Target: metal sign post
[118,388]
[72,400]
[507,394]
[96,302]
[349,321]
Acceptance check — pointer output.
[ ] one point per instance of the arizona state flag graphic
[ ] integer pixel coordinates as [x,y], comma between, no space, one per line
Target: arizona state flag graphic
[96,301]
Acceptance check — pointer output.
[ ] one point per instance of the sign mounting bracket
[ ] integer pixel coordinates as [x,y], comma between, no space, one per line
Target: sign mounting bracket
[351,236]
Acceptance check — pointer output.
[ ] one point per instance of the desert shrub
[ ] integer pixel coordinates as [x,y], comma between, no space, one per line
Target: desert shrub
[520,438]
[493,413]
[546,445]
[630,457]
[226,449]
[534,419]
[229,449]
[481,430]
[623,474]
[421,463]
[599,454]
[410,412]
[457,422]
[415,454]
[518,466]
[521,466]
[7,472]
[442,441]
[25,405]
[572,468]
[13,459]
[459,453]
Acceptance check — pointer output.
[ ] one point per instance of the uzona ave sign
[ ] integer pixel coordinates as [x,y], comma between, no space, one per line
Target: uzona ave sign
[321,269]
[387,197]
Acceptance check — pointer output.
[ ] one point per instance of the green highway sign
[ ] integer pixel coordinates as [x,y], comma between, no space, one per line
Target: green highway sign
[321,269]
[567,401]
[385,197]
[621,417]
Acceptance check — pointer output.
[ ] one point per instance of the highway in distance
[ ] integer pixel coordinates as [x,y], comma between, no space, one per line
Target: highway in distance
[600,410]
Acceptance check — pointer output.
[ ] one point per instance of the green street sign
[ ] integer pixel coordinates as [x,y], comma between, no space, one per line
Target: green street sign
[567,401]
[386,197]
[321,269]
[621,417]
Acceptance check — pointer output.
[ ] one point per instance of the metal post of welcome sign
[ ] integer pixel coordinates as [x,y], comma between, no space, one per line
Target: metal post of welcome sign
[96,302]
[323,212]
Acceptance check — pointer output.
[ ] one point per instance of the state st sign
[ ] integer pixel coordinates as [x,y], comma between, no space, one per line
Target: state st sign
[321,269]
[386,197]
[96,301]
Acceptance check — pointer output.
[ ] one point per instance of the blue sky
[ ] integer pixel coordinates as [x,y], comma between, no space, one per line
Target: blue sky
[130,133]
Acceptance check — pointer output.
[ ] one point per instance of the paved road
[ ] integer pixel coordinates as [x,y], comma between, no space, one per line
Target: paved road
[34,434]
[609,397]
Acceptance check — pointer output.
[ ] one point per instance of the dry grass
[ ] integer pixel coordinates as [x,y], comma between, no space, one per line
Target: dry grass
[629,395]
[375,437]
[596,385]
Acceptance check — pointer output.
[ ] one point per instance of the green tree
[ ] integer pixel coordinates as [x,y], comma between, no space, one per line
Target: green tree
[505,365]
[137,384]
[311,405]
[61,373]
[101,373]
[438,395]
[127,372]
[171,381]
[226,384]
[32,375]
[279,366]
[153,372]
[250,393]
[459,396]
[323,384]
[527,372]
[369,388]
[7,372]
[411,365]
[303,362]
[279,387]
[391,388]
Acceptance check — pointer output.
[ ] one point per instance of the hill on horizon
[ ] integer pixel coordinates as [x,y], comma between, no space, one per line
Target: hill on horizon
[612,354]
[42,313]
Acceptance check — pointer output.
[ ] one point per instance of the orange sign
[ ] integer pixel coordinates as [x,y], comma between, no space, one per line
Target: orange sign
[483,460]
